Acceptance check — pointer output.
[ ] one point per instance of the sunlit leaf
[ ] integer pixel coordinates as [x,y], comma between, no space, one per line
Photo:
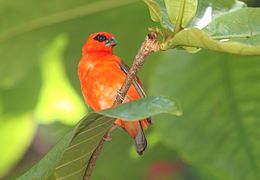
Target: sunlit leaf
[58,100]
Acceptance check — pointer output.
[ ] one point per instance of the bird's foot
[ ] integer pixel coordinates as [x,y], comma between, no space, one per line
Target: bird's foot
[120,95]
[107,136]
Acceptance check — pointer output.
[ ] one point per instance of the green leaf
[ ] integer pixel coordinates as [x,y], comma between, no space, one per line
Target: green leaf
[69,158]
[219,131]
[197,38]
[183,9]
[230,31]
[236,32]
[158,13]
[137,110]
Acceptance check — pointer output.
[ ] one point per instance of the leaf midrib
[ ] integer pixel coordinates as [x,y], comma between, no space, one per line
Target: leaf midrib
[235,36]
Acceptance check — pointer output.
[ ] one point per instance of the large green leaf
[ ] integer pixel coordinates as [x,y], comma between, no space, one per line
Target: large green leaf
[219,131]
[69,158]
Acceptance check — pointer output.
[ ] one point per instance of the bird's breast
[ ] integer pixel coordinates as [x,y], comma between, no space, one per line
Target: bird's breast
[100,81]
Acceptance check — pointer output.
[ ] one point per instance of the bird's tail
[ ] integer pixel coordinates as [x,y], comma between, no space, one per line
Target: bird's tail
[135,130]
[140,140]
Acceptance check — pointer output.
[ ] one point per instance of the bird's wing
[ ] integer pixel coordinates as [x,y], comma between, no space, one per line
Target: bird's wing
[136,83]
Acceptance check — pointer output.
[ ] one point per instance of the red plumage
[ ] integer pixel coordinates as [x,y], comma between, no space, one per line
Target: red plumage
[101,75]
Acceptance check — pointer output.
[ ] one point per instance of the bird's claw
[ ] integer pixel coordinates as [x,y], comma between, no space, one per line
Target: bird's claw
[120,95]
[107,136]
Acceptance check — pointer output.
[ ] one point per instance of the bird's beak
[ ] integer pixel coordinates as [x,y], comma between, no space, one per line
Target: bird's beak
[111,42]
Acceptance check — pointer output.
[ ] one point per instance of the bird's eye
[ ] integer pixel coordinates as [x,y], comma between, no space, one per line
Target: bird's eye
[100,37]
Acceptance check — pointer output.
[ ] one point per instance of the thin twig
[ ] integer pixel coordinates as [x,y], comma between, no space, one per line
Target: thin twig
[149,45]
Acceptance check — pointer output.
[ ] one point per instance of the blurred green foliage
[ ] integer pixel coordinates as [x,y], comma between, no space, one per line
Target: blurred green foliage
[219,93]
[40,46]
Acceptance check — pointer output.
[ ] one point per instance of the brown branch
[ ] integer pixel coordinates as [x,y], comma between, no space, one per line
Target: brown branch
[93,159]
[149,45]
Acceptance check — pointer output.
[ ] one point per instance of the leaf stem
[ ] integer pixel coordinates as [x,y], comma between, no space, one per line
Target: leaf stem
[149,45]
[178,26]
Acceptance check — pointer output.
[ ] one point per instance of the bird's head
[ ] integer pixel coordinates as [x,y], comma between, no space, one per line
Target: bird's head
[99,42]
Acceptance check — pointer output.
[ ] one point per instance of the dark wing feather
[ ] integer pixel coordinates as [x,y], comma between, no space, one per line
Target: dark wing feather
[136,84]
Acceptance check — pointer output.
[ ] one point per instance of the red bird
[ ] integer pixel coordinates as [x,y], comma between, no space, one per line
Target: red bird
[101,75]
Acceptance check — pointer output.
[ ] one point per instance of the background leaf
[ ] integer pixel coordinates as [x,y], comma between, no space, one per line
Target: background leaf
[220,96]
